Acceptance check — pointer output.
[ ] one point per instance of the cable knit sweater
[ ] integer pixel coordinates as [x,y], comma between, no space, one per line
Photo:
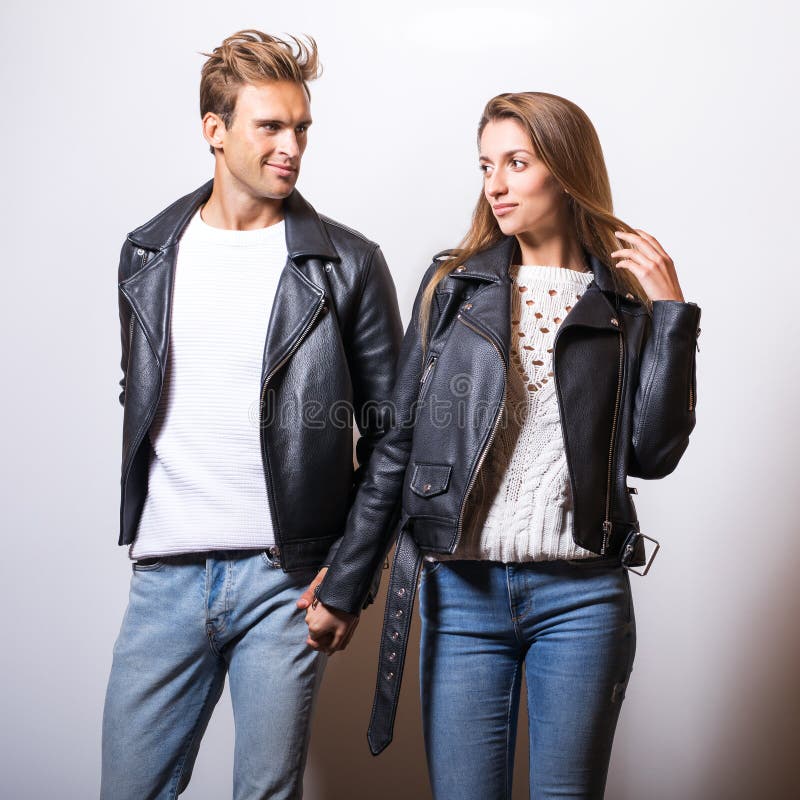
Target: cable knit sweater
[520,508]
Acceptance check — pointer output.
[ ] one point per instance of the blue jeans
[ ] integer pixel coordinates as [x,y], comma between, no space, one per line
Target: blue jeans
[190,621]
[570,626]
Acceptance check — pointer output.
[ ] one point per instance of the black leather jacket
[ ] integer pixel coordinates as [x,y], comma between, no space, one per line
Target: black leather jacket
[625,381]
[331,347]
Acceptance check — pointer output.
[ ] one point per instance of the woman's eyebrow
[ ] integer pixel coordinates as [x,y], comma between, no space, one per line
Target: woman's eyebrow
[508,153]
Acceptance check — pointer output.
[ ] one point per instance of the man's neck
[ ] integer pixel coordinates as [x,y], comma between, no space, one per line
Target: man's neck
[232,208]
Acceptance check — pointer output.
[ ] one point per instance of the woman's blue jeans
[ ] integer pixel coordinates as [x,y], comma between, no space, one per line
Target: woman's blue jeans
[569,626]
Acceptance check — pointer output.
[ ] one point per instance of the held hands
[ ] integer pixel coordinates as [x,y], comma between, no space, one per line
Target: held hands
[650,264]
[329,629]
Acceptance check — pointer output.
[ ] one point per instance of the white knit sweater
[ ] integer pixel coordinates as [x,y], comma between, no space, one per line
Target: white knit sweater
[520,508]
[206,488]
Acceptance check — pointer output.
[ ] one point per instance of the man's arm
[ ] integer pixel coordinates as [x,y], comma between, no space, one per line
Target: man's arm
[373,344]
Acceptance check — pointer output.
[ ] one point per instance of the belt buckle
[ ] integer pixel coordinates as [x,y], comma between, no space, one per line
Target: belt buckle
[629,548]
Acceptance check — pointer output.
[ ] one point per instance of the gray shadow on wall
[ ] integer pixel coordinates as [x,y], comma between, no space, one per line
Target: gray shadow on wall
[757,754]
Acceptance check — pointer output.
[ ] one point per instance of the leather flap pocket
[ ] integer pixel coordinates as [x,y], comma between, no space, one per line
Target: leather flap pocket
[429,480]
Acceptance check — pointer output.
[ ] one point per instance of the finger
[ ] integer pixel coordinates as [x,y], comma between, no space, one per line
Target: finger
[631,266]
[640,243]
[652,240]
[633,255]
[304,601]
[349,636]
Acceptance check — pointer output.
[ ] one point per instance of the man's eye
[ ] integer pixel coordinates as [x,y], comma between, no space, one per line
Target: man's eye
[302,128]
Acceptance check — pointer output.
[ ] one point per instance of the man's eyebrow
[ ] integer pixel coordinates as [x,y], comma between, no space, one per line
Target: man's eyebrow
[508,153]
[281,122]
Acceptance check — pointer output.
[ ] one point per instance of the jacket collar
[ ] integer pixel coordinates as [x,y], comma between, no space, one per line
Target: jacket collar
[306,236]
[492,264]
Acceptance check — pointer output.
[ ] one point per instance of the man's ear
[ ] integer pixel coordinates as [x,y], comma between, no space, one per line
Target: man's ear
[214,130]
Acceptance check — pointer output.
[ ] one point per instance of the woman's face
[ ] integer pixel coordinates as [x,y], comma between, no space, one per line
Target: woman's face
[523,194]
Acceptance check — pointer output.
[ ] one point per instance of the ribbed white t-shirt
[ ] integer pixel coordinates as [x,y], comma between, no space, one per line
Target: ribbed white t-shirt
[207,489]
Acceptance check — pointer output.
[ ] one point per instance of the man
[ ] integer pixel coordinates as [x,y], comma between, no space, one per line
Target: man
[252,331]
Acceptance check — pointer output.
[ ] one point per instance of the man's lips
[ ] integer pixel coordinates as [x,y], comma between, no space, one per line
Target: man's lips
[503,208]
[282,169]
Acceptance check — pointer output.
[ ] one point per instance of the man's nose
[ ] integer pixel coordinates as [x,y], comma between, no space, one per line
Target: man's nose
[288,144]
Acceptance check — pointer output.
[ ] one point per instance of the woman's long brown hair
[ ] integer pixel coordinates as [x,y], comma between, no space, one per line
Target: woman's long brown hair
[564,138]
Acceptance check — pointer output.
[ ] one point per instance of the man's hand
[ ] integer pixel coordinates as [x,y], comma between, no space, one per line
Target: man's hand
[308,595]
[329,629]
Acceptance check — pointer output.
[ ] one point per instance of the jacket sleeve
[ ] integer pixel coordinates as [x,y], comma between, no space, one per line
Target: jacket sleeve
[124,322]
[372,518]
[373,344]
[666,395]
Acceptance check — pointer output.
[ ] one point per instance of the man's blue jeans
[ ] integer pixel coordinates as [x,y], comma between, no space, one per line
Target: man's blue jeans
[570,627]
[190,621]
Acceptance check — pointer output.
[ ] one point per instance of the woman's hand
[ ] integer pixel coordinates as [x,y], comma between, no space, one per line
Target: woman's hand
[329,629]
[650,264]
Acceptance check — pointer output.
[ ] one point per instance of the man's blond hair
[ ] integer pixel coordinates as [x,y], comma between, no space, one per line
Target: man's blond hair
[251,56]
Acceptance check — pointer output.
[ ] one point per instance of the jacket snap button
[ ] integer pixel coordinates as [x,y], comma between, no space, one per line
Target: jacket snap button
[328,267]
[392,656]
[467,306]
[629,296]
[426,487]
[389,676]
[615,321]
[401,592]
[394,636]
[460,269]
[140,252]
[398,613]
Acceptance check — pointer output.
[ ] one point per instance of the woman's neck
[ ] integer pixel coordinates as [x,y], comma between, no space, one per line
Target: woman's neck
[556,250]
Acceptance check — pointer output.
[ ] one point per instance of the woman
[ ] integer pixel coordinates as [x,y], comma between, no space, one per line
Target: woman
[548,358]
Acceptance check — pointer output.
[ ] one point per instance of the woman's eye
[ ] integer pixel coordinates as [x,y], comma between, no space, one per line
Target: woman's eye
[517,164]
[484,168]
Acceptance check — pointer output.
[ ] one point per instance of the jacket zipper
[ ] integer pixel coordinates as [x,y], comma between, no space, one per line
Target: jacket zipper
[264,457]
[607,526]
[424,378]
[427,371]
[488,444]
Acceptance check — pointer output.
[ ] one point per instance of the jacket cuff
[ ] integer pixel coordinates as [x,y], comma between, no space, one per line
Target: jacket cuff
[341,596]
[678,315]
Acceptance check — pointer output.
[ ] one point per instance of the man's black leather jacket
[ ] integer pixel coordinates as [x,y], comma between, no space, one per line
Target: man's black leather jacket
[331,347]
[625,383]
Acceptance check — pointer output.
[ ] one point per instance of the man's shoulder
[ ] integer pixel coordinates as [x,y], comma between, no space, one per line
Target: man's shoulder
[166,225]
[347,240]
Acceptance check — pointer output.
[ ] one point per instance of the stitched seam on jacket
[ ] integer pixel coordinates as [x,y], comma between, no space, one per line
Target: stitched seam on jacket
[649,382]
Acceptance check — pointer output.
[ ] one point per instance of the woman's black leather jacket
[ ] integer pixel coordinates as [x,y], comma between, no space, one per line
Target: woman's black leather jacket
[625,383]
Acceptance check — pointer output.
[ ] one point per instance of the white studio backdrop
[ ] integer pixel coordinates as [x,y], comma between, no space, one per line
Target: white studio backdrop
[695,104]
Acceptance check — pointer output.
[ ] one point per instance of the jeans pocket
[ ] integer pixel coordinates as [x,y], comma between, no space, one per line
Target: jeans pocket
[147,564]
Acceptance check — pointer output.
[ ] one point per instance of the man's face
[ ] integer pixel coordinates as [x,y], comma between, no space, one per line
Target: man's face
[262,148]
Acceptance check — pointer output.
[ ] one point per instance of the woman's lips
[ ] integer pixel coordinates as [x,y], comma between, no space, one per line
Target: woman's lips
[501,209]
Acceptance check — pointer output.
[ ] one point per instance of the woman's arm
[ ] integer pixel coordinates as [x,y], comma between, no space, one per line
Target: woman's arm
[666,395]
[372,517]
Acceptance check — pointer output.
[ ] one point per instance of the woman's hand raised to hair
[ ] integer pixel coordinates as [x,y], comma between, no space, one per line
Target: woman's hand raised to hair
[650,264]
